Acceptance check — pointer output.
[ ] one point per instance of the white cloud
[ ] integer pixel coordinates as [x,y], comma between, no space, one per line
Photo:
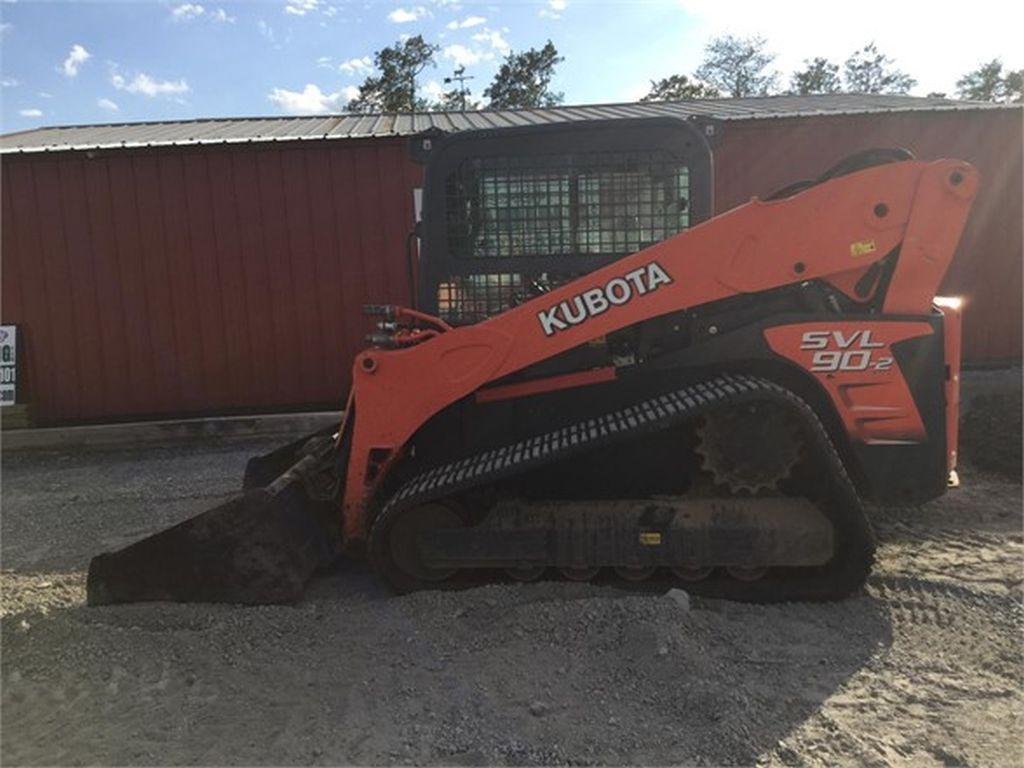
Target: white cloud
[311,100]
[5,27]
[149,86]
[266,30]
[433,90]
[187,11]
[9,82]
[554,9]
[361,66]
[461,55]
[30,112]
[107,104]
[406,15]
[300,7]
[44,95]
[493,38]
[469,21]
[77,56]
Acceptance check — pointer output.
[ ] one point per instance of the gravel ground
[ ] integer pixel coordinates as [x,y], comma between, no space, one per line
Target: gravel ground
[924,668]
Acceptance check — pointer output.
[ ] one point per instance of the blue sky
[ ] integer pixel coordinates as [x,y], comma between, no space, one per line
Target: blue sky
[88,62]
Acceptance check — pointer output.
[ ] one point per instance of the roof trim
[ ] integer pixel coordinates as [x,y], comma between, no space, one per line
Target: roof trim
[332,127]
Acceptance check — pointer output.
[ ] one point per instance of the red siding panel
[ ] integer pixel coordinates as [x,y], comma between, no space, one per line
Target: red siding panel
[180,281]
[78,254]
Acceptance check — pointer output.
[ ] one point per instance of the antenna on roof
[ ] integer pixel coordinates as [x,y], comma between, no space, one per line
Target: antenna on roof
[461,77]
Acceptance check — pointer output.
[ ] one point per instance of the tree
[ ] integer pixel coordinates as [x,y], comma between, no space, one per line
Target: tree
[394,88]
[988,83]
[456,100]
[819,76]
[524,79]
[1013,86]
[679,88]
[738,66]
[983,84]
[868,71]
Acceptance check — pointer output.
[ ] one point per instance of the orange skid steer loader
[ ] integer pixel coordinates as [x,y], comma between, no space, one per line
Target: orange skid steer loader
[599,378]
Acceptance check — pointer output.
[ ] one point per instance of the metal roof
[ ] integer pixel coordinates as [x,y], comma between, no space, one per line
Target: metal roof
[351,125]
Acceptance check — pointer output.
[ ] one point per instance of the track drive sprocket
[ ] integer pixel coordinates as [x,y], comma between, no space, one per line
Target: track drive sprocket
[751,447]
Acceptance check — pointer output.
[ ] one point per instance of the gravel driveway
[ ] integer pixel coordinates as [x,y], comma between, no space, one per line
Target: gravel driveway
[924,668]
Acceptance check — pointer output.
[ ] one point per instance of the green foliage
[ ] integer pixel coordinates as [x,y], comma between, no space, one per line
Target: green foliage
[679,88]
[393,89]
[456,100]
[524,79]
[819,76]
[988,83]
[983,84]
[1013,86]
[738,66]
[868,71]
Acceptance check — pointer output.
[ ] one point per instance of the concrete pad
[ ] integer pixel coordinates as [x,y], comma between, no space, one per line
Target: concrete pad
[284,425]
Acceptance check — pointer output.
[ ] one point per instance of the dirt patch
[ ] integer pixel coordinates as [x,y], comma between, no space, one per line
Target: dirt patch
[923,668]
[991,431]
[990,436]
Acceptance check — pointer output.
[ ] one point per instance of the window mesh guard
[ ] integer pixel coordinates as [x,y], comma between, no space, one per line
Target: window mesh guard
[605,204]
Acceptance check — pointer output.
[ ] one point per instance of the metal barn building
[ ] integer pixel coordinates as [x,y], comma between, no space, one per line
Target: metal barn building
[219,266]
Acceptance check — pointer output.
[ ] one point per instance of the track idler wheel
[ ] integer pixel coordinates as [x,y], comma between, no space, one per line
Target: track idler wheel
[404,550]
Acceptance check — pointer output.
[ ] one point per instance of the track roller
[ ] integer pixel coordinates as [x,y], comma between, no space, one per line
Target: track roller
[692,574]
[635,573]
[526,573]
[746,574]
[579,574]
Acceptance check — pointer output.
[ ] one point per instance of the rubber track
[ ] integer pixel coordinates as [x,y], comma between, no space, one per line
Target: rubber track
[653,414]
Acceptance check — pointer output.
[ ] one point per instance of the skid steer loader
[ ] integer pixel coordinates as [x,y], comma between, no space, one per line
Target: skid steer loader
[597,377]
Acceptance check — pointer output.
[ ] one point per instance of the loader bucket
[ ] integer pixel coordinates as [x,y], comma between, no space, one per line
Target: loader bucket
[262,470]
[260,547]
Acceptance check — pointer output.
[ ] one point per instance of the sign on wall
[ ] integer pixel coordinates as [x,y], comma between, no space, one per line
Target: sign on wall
[8,364]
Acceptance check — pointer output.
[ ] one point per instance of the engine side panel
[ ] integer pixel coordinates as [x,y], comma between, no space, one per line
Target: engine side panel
[887,383]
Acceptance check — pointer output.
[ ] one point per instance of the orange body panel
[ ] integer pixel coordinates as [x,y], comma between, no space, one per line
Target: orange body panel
[853,361]
[831,229]
[549,384]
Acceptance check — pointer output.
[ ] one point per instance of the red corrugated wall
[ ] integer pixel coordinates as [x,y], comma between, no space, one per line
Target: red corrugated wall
[200,280]
[219,279]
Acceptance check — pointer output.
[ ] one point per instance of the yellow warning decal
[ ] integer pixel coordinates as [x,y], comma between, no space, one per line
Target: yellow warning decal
[862,247]
[650,538]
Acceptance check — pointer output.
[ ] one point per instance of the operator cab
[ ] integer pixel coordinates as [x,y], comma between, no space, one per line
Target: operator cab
[509,214]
